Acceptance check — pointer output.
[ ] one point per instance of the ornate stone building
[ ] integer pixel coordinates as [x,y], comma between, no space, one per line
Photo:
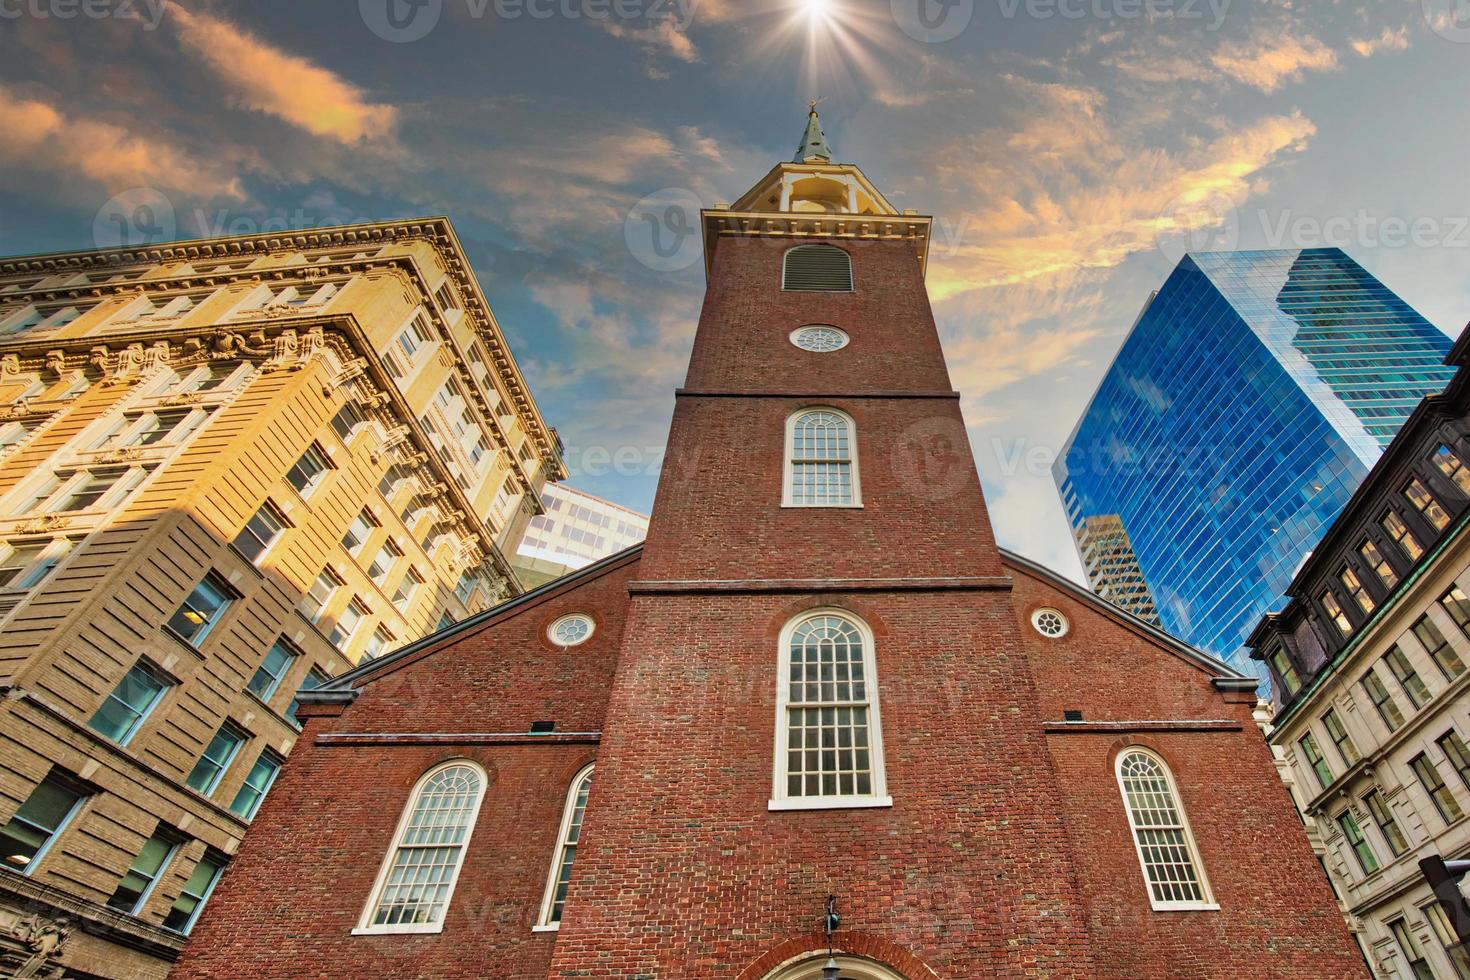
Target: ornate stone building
[231,469]
[818,686]
[1369,662]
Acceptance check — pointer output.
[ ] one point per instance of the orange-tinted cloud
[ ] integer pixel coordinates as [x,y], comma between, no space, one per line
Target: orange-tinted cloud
[1270,61]
[289,87]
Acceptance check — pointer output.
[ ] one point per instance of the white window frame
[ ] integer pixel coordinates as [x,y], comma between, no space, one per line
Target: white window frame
[50,558]
[788,468]
[365,925]
[780,799]
[1208,904]
[548,899]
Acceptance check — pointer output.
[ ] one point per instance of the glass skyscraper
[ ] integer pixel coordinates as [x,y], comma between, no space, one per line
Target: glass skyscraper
[1250,399]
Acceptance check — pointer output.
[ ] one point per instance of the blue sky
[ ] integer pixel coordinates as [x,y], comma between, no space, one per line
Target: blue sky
[1070,150]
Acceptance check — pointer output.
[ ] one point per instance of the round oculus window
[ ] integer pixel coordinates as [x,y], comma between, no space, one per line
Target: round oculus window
[819,338]
[568,631]
[1049,622]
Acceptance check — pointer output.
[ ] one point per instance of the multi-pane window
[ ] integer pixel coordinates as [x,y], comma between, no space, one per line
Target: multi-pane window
[156,427]
[1388,709]
[378,643]
[101,487]
[817,268]
[1396,529]
[1349,580]
[1455,750]
[1418,495]
[1340,737]
[418,877]
[821,460]
[261,531]
[38,822]
[566,849]
[1353,834]
[203,608]
[27,563]
[393,479]
[1407,676]
[218,755]
[408,587]
[347,623]
[1438,647]
[1452,466]
[1444,799]
[362,526]
[308,472]
[314,603]
[347,419]
[129,704]
[1458,606]
[1336,614]
[190,903]
[133,891]
[384,561]
[1449,940]
[272,670]
[1316,762]
[829,749]
[1286,670]
[1166,850]
[257,784]
[1409,947]
[1387,825]
[1374,557]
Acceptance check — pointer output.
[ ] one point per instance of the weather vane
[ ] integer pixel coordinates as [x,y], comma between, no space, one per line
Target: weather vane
[814,103]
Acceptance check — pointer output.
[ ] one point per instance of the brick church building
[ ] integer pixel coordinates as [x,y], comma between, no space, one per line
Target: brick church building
[818,681]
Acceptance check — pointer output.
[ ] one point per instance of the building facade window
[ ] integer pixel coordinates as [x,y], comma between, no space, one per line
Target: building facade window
[1444,800]
[1387,825]
[1407,676]
[379,643]
[347,623]
[1379,564]
[308,472]
[418,876]
[1361,849]
[1449,941]
[1340,737]
[819,338]
[358,532]
[1409,948]
[1455,751]
[829,746]
[40,820]
[1349,580]
[1452,466]
[408,587]
[257,783]
[1336,614]
[821,460]
[1428,507]
[346,421]
[1438,648]
[129,704]
[1291,681]
[1161,834]
[186,908]
[218,755]
[1316,762]
[203,609]
[817,268]
[1458,607]
[260,532]
[28,563]
[1388,709]
[313,605]
[1395,528]
[272,670]
[133,891]
[566,850]
[384,561]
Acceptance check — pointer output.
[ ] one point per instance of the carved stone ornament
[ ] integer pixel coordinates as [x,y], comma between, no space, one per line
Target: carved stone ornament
[43,524]
[56,362]
[9,364]
[31,947]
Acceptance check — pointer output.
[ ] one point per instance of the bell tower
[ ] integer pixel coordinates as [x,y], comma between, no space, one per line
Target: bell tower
[821,689]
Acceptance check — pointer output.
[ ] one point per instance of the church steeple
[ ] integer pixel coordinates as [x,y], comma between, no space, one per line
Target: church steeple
[813,148]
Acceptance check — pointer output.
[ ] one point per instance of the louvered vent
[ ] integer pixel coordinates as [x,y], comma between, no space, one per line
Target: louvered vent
[818,268]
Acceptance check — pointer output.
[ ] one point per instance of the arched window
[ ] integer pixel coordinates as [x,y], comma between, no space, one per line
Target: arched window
[420,870]
[1166,850]
[821,460]
[849,968]
[829,745]
[566,850]
[817,268]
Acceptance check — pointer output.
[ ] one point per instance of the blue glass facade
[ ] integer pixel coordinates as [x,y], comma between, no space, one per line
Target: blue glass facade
[1244,408]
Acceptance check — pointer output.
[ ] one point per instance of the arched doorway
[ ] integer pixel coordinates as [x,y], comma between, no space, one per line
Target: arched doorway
[809,967]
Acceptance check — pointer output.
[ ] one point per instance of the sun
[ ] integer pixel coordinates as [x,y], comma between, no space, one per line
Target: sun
[818,12]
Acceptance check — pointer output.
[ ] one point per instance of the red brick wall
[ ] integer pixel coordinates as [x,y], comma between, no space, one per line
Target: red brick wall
[1277,915]
[298,887]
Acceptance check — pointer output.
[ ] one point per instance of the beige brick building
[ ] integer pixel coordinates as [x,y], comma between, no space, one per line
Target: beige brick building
[230,469]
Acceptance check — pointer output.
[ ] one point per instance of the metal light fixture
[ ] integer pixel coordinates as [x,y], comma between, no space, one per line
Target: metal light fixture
[831,970]
[830,922]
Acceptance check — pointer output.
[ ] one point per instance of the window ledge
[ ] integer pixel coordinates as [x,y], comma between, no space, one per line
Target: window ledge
[831,803]
[1187,907]
[397,930]
[554,927]
[789,506]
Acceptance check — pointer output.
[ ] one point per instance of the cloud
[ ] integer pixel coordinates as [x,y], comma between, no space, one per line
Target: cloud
[1389,40]
[269,80]
[45,139]
[1271,60]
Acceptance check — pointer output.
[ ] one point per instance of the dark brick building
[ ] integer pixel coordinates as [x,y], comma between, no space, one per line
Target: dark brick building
[818,677]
